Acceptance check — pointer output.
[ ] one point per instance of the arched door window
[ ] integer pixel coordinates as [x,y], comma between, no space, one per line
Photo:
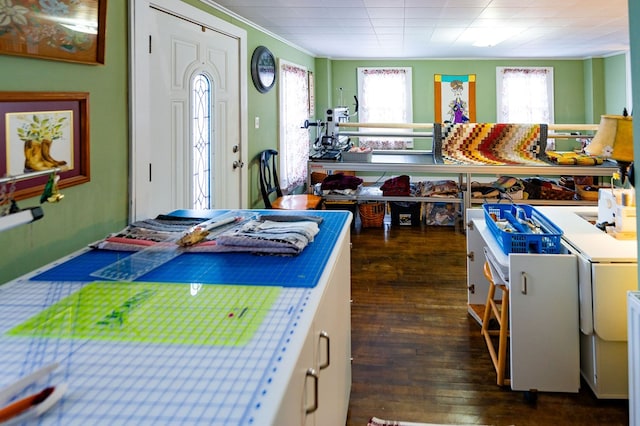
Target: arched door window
[201,145]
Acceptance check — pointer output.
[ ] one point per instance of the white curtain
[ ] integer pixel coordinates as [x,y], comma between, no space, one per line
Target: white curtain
[384,96]
[525,95]
[294,139]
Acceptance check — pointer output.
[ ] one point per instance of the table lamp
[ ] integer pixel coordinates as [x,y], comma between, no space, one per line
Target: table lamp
[614,140]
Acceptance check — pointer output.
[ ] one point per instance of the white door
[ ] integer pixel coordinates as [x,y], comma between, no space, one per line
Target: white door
[179,52]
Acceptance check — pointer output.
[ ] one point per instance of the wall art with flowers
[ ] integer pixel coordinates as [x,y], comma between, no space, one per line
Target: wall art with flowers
[64,30]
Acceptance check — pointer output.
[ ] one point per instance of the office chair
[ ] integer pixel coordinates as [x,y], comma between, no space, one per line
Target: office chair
[269,183]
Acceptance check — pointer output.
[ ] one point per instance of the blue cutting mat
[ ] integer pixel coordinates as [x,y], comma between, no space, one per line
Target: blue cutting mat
[303,270]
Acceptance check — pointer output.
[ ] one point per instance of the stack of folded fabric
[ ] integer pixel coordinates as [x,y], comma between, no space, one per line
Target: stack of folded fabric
[339,183]
[276,236]
[547,189]
[147,233]
[268,234]
[397,186]
[505,186]
[438,188]
[574,158]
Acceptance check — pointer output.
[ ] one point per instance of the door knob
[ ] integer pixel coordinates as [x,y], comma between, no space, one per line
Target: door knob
[237,164]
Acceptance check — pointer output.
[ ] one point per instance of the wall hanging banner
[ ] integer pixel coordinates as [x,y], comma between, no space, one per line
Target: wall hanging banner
[455,98]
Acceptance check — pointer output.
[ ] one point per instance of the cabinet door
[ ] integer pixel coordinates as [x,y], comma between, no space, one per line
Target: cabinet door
[633,309]
[333,345]
[477,284]
[543,320]
[611,282]
[300,390]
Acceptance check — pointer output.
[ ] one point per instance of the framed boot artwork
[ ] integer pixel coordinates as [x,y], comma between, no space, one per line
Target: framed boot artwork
[45,131]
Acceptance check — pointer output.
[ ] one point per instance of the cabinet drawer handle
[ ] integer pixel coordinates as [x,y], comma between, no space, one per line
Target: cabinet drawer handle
[524,282]
[312,373]
[325,335]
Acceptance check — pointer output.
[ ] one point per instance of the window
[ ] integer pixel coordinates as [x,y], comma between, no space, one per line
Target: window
[385,96]
[201,142]
[524,94]
[294,138]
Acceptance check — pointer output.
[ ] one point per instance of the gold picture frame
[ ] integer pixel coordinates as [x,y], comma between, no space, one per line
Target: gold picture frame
[73,32]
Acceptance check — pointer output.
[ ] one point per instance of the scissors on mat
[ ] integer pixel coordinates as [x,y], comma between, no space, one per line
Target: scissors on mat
[13,410]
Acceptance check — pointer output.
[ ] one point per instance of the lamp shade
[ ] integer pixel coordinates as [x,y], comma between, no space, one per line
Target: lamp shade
[613,139]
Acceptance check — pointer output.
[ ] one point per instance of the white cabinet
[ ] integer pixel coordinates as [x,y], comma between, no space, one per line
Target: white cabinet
[320,384]
[543,321]
[604,269]
[603,323]
[607,269]
[633,309]
[543,310]
[332,326]
[604,326]
[295,368]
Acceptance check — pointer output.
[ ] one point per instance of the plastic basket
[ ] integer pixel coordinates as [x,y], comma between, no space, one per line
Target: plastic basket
[371,214]
[522,239]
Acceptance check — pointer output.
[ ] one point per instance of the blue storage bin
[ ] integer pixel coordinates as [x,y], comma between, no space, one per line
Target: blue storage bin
[522,239]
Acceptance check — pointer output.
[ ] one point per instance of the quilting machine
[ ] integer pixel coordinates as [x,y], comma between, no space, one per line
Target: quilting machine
[328,144]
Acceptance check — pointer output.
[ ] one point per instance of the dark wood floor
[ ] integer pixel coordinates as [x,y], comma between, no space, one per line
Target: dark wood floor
[419,357]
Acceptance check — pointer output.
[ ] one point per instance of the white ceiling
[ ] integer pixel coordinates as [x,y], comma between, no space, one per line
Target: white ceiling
[361,29]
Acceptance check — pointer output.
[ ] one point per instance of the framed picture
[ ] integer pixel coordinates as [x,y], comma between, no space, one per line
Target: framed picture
[69,30]
[43,131]
[455,98]
[312,94]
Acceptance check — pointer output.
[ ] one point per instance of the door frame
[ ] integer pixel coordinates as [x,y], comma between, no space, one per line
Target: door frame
[139,94]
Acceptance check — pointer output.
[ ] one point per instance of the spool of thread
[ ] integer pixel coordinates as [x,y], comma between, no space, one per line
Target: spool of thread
[627,199]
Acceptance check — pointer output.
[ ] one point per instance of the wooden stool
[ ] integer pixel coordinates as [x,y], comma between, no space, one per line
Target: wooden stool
[501,314]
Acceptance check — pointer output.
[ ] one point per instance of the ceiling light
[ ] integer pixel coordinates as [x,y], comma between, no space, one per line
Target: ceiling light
[487,37]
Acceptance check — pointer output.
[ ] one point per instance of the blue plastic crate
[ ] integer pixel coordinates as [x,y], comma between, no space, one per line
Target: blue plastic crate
[522,239]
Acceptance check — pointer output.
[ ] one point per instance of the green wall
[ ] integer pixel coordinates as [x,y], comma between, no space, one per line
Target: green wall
[569,86]
[568,74]
[605,86]
[615,85]
[92,210]
[594,90]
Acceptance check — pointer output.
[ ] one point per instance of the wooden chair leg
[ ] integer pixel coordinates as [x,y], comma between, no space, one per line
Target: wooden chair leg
[488,309]
[504,333]
[499,358]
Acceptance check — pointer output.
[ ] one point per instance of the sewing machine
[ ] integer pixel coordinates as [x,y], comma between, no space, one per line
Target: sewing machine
[617,209]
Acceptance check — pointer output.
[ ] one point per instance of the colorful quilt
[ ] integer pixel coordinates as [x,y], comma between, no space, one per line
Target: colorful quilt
[490,143]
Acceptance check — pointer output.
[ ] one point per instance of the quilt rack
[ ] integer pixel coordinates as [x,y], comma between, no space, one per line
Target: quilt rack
[423,127]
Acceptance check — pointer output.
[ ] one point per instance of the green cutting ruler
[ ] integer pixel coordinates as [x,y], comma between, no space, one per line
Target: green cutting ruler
[163,313]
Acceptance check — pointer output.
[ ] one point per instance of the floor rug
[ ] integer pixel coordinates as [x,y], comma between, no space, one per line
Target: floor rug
[374,421]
